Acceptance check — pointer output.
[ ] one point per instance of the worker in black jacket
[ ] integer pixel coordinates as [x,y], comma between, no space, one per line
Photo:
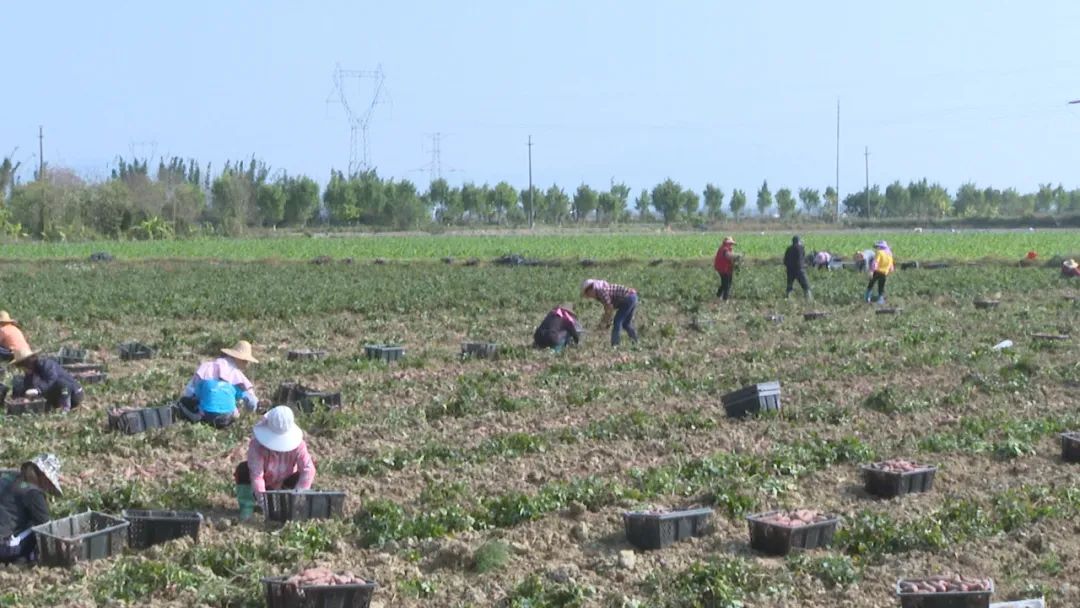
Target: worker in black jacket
[795,263]
[47,378]
[23,505]
[558,328]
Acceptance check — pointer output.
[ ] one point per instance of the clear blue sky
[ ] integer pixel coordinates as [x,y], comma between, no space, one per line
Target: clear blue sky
[723,92]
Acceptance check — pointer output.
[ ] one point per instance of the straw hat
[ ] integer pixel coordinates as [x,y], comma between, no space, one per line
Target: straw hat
[241,351]
[1069,263]
[277,430]
[586,284]
[48,465]
[728,239]
[22,354]
[6,318]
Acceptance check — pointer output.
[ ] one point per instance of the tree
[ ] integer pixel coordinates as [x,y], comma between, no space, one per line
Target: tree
[855,203]
[897,201]
[764,198]
[738,203]
[533,203]
[690,203]
[612,204]
[667,200]
[811,200]
[472,201]
[585,200]
[270,198]
[231,195]
[504,198]
[832,200]
[558,205]
[969,200]
[785,203]
[714,202]
[642,204]
[301,200]
[340,199]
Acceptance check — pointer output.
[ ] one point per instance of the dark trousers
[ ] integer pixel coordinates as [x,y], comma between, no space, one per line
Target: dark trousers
[243,478]
[6,354]
[725,287]
[23,547]
[880,280]
[797,275]
[551,339]
[624,319]
[189,409]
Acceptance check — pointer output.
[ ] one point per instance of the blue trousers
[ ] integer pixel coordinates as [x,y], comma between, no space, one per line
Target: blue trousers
[624,319]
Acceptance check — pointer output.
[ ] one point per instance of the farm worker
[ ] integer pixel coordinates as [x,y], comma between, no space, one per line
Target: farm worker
[822,259]
[47,378]
[724,263]
[863,259]
[880,267]
[277,459]
[617,300]
[11,337]
[558,328]
[795,263]
[1069,268]
[23,505]
[217,386]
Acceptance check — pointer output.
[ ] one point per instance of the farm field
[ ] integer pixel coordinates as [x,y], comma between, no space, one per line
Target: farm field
[503,483]
[964,245]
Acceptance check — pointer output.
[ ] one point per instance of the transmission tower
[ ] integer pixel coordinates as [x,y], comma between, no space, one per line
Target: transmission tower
[359,116]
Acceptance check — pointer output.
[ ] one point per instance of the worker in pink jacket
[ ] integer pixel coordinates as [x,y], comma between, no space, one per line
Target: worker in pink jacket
[277,459]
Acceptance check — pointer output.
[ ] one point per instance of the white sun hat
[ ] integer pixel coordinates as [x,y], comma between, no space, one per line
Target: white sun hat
[277,430]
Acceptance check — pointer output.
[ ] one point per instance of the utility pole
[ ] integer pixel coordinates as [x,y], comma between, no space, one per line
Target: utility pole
[836,203]
[532,210]
[41,153]
[867,154]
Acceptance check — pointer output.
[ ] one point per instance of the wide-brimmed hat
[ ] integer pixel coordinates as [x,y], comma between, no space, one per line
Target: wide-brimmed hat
[728,239]
[241,351]
[22,354]
[881,245]
[586,284]
[48,465]
[1069,263]
[277,430]
[6,318]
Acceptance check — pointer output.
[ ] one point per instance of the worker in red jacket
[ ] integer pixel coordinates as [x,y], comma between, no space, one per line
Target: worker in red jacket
[724,263]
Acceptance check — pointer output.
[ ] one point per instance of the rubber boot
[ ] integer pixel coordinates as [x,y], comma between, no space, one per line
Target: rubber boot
[809,295]
[245,497]
[867,296]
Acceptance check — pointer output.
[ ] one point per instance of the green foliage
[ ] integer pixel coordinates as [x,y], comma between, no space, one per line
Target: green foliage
[725,582]
[490,556]
[831,570]
[535,592]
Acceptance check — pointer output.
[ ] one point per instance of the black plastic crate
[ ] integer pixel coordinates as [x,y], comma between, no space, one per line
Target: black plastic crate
[947,599]
[909,265]
[280,594]
[138,421]
[151,527]
[1070,446]
[68,355]
[986,304]
[305,354]
[131,351]
[775,539]
[479,350]
[90,377]
[888,311]
[80,368]
[384,352]
[300,505]
[814,315]
[306,399]
[752,399]
[888,484]
[83,537]
[657,530]
[24,405]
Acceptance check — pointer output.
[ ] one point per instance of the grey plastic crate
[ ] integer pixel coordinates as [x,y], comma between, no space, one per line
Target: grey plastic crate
[775,539]
[658,530]
[304,399]
[948,599]
[25,405]
[279,594]
[888,484]
[479,350]
[154,526]
[70,354]
[131,351]
[79,368]
[1070,446]
[83,537]
[90,377]
[752,399]
[384,352]
[138,421]
[301,505]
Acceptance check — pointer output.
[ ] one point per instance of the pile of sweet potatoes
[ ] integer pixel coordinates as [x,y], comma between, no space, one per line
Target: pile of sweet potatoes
[794,518]
[315,577]
[897,465]
[945,584]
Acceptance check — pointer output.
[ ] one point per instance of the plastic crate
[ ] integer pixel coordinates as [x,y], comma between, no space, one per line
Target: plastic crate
[90,377]
[814,315]
[23,405]
[480,350]
[68,355]
[384,352]
[658,530]
[986,304]
[79,368]
[83,537]
[305,399]
[301,505]
[752,399]
[305,355]
[888,311]
[1051,337]
[1035,603]
[151,527]
[948,599]
[775,539]
[279,594]
[1070,446]
[130,351]
[909,266]
[888,484]
[138,421]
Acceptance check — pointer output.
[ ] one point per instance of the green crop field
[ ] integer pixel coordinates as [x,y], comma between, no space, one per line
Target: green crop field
[965,245]
[503,483]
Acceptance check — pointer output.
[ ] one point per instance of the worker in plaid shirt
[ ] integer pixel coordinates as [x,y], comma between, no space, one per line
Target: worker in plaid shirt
[619,301]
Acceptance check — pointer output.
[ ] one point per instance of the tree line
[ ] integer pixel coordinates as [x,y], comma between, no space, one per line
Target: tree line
[180,197]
